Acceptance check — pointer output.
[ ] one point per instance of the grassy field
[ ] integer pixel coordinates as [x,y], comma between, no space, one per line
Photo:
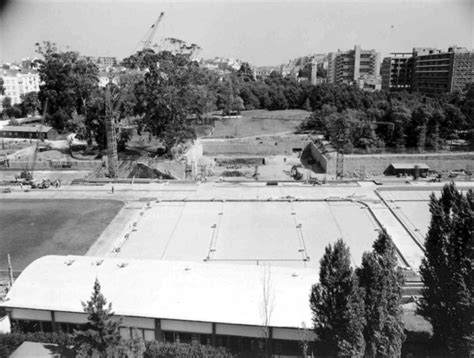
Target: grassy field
[30,229]
[257,122]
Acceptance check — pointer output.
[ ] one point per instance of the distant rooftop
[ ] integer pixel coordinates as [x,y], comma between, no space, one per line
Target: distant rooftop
[42,129]
[409,165]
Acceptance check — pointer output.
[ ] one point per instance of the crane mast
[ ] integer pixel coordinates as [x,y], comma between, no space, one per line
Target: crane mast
[111,135]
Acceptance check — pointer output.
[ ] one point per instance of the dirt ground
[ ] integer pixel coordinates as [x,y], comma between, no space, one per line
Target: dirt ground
[277,167]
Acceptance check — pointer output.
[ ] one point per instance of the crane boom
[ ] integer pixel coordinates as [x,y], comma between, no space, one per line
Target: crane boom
[151,32]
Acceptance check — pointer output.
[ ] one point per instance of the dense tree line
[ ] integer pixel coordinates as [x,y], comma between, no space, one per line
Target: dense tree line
[30,105]
[165,91]
[352,118]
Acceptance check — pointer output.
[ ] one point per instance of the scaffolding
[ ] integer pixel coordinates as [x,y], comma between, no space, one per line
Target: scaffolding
[111,136]
[462,70]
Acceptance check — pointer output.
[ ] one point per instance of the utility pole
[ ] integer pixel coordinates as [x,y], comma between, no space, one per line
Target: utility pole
[339,163]
[111,135]
[10,271]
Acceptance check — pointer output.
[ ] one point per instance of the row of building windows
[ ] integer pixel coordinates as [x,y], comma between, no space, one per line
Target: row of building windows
[27,135]
[233,343]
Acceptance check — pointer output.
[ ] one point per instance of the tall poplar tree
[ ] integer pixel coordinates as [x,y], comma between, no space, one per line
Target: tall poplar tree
[447,271]
[382,281]
[337,306]
[102,333]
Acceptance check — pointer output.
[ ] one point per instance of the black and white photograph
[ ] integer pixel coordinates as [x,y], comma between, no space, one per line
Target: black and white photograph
[236,178]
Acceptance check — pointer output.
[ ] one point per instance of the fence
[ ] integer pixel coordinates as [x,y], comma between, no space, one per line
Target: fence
[53,165]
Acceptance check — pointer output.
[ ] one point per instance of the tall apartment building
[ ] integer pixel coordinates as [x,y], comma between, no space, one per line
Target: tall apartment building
[331,75]
[18,82]
[439,72]
[103,61]
[349,66]
[397,72]
[428,70]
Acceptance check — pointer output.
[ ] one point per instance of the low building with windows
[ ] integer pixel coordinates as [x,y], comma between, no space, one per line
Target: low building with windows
[219,304]
[401,169]
[28,132]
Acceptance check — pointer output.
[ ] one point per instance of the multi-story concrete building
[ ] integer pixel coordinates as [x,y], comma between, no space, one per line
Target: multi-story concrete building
[103,61]
[428,70]
[349,66]
[332,66]
[397,71]
[439,72]
[17,83]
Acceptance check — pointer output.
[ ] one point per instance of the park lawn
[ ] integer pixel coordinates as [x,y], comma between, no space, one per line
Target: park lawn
[259,122]
[30,229]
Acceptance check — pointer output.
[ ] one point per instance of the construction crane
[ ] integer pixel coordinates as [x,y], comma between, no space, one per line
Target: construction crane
[111,113]
[26,175]
[146,42]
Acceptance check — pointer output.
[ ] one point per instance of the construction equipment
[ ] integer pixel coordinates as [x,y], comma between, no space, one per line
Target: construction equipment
[147,39]
[295,173]
[43,184]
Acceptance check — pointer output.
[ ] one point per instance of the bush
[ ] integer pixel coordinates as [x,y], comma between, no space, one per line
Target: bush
[155,349]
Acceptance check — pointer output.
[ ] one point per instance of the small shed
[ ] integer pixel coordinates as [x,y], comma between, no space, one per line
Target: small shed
[28,132]
[414,169]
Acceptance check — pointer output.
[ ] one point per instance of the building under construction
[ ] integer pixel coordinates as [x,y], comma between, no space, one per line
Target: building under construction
[397,71]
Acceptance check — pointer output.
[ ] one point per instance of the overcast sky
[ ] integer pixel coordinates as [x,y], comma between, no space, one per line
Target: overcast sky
[260,32]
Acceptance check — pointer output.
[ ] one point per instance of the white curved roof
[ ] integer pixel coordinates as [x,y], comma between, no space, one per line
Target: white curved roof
[190,291]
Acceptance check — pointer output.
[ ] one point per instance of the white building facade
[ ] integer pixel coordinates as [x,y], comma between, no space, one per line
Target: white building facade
[17,83]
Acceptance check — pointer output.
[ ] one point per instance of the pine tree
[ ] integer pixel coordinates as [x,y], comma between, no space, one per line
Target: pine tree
[382,281]
[447,271]
[337,306]
[102,334]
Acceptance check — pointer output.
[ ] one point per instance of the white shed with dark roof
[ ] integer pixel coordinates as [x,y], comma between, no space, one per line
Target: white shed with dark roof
[28,132]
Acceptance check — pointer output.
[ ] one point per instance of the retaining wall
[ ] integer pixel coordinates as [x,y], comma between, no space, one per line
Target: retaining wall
[54,165]
[313,158]
[253,147]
